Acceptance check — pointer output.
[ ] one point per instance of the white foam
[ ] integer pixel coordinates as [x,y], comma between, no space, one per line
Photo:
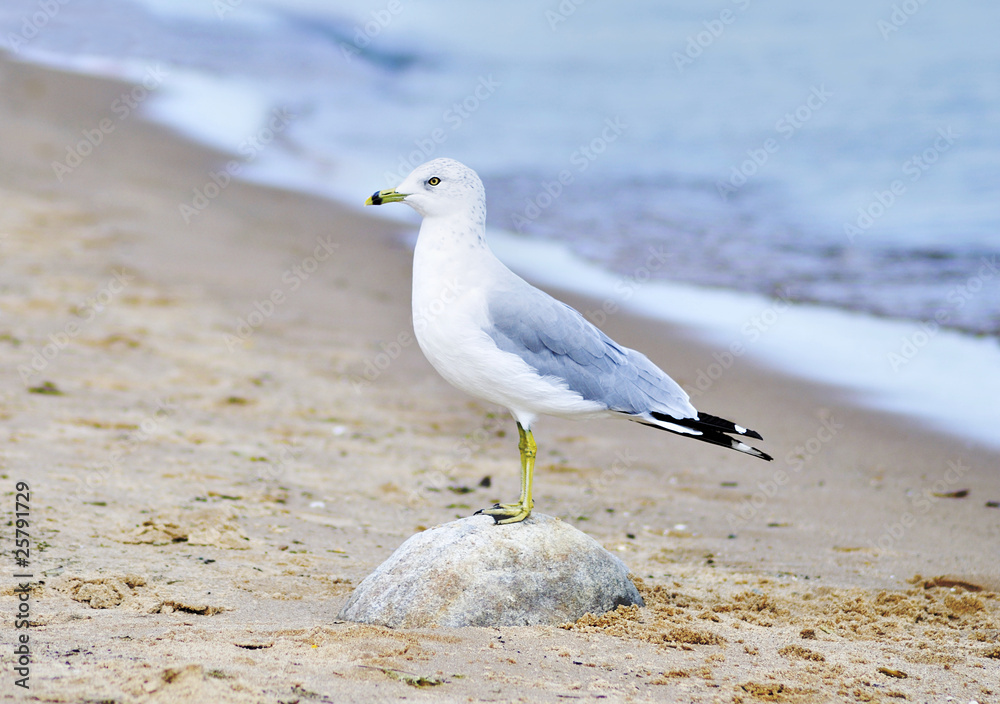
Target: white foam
[129,70]
[220,113]
[215,11]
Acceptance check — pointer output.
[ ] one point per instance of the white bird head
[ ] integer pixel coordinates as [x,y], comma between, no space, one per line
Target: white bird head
[438,188]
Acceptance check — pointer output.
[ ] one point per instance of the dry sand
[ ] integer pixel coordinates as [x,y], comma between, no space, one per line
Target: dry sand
[203,503]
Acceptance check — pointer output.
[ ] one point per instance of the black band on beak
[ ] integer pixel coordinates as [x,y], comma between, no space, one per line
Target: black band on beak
[376,198]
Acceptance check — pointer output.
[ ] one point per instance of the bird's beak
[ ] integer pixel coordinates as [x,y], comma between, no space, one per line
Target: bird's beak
[387,196]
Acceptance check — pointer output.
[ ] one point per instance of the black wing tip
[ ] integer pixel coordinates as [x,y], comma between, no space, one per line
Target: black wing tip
[734,444]
[727,426]
[715,431]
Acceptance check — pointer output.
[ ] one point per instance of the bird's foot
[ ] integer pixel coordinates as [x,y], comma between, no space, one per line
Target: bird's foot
[506,513]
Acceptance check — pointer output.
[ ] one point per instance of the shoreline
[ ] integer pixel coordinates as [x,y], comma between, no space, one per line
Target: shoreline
[204,500]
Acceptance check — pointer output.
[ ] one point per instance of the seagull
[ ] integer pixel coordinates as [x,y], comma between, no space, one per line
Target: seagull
[493,335]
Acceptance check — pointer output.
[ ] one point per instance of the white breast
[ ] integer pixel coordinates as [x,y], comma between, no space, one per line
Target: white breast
[450,319]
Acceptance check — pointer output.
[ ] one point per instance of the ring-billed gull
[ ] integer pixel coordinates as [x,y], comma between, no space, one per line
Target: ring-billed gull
[495,336]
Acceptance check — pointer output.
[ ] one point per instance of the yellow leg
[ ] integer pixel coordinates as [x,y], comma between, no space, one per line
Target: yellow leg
[514,513]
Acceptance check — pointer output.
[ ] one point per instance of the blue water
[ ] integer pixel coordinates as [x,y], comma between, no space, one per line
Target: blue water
[842,154]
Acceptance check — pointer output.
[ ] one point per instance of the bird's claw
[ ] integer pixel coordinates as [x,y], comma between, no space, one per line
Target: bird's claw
[506,513]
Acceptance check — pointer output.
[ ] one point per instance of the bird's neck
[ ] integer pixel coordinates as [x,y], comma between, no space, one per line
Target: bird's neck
[450,262]
[447,242]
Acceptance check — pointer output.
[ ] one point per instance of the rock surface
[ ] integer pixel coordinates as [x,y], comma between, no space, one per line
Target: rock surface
[471,572]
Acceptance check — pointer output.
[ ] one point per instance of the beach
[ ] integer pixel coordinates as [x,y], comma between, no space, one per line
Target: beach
[213,391]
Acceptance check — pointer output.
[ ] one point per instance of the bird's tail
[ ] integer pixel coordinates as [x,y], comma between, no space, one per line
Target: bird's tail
[707,428]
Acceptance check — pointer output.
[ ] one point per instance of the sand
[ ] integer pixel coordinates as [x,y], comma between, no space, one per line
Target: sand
[225,425]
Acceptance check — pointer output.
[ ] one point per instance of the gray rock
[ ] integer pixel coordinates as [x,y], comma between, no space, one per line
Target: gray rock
[471,572]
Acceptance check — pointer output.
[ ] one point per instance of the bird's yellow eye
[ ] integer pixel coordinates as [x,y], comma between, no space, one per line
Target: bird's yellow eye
[434,180]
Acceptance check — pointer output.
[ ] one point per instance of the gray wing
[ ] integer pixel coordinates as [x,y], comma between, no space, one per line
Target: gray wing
[557,341]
